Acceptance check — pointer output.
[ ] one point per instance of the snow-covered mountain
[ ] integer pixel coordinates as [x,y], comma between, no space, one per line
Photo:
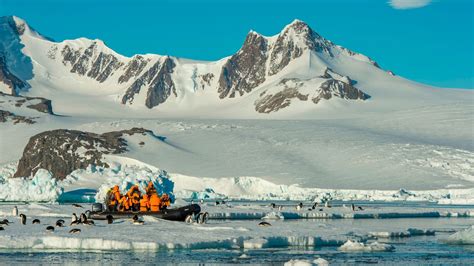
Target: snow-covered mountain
[296,68]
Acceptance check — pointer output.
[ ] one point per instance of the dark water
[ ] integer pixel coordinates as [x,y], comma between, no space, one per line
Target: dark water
[423,250]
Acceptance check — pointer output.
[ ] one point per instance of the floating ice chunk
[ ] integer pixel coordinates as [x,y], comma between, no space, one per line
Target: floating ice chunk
[463,237]
[298,263]
[358,246]
[318,261]
[408,233]
[273,216]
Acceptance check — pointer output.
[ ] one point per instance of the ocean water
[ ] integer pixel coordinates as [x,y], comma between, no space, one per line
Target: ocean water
[417,250]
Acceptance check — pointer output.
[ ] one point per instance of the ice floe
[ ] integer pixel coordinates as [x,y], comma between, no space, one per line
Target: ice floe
[463,237]
[358,246]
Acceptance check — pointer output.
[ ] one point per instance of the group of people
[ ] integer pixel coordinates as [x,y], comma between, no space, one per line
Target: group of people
[133,200]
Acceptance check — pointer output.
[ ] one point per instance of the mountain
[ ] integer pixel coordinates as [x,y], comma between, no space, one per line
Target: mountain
[294,71]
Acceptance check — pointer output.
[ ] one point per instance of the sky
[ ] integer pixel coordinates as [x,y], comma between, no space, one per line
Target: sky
[422,40]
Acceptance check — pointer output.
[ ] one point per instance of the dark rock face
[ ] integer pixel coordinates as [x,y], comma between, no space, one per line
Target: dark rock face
[274,102]
[133,68]
[291,43]
[13,82]
[337,88]
[37,103]
[94,64]
[331,87]
[246,69]
[158,81]
[205,80]
[5,116]
[62,151]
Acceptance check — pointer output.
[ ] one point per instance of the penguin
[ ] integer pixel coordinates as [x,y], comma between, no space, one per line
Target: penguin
[217,203]
[74,218]
[15,211]
[82,218]
[23,219]
[273,205]
[60,223]
[1,228]
[360,208]
[77,205]
[280,207]
[135,218]
[36,221]
[50,228]
[321,210]
[326,204]
[299,206]
[75,231]
[110,219]
[353,207]
[5,222]
[264,224]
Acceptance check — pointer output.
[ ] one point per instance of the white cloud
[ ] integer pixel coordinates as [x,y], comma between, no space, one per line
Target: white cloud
[408,4]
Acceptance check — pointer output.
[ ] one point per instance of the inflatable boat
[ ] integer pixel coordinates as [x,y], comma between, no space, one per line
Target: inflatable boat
[175,214]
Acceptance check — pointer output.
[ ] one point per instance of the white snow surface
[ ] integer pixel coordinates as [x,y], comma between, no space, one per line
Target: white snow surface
[407,142]
[126,172]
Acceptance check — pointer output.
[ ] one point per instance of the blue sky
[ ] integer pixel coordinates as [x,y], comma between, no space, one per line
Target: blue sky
[423,40]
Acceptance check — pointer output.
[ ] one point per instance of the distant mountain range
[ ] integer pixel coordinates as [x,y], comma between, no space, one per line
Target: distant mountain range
[296,67]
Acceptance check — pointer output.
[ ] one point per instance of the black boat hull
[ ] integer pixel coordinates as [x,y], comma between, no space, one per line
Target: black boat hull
[177,214]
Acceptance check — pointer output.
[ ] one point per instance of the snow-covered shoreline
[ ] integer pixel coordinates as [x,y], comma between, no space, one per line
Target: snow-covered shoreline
[126,171]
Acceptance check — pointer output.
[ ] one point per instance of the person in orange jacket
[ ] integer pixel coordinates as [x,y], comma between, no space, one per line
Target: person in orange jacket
[165,201]
[134,197]
[124,204]
[113,198]
[155,202]
[144,203]
[150,189]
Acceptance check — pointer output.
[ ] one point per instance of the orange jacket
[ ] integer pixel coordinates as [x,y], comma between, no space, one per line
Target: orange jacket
[155,203]
[135,198]
[165,201]
[150,189]
[144,204]
[133,195]
[117,196]
[124,203]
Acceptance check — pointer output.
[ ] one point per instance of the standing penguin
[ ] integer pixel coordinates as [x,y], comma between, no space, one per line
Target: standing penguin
[23,219]
[74,218]
[15,211]
[353,207]
[110,219]
[83,218]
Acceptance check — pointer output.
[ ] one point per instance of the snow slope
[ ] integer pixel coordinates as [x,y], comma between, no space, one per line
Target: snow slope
[406,135]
